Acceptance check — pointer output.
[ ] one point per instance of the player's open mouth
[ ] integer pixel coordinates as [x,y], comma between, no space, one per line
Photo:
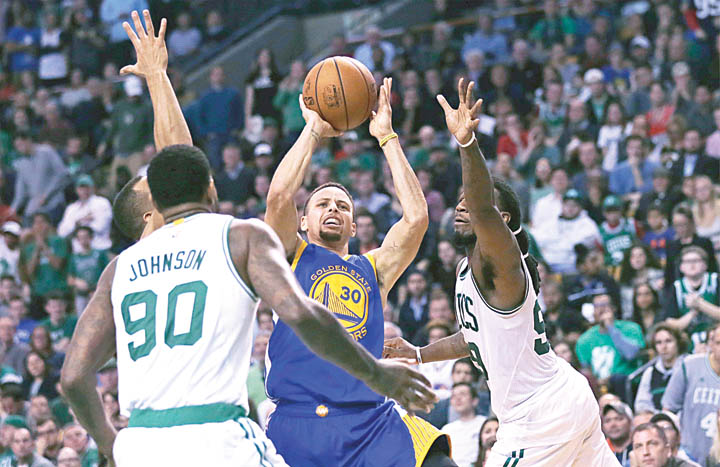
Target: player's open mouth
[460,221]
[332,221]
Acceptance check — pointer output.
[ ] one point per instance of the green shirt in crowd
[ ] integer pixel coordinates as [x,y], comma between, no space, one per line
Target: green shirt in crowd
[64,329]
[88,266]
[597,350]
[46,278]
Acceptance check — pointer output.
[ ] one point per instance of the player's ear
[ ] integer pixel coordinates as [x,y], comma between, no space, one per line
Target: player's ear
[353,228]
[506,216]
[303,223]
[147,216]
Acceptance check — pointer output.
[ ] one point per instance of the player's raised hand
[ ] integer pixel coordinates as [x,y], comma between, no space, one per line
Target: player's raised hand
[403,384]
[322,128]
[397,347]
[461,122]
[152,55]
[381,121]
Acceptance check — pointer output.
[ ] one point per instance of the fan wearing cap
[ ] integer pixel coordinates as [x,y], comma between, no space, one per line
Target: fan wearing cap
[90,210]
[557,237]
[10,249]
[618,232]
[617,420]
[599,98]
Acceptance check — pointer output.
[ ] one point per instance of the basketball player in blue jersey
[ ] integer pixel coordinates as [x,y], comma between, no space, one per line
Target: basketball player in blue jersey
[324,416]
[547,412]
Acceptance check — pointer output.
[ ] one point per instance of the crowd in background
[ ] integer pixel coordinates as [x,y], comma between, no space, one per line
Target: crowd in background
[603,116]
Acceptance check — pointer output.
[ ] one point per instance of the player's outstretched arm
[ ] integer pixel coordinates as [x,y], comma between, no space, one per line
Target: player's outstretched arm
[447,348]
[496,244]
[403,240]
[169,126]
[259,257]
[281,213]
[92,345]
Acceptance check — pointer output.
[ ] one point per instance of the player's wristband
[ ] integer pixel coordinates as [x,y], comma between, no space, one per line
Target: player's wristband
[418,357]
[472,140]
[387,138]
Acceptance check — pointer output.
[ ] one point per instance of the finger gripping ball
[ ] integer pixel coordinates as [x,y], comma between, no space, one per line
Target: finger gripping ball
[342,90]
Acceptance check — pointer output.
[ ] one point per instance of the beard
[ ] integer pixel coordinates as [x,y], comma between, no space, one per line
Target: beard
[464,240]
[330,236]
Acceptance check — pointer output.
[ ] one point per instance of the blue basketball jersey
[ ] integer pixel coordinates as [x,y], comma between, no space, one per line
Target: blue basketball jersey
[348,288]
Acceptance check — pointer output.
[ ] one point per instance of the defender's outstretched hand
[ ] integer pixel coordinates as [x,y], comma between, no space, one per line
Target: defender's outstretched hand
[397,347]
[152,55]
[320,127]
[461,122]
[381,121]
[400,382]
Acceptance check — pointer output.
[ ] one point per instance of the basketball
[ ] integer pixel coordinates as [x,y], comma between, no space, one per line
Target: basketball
[342,90]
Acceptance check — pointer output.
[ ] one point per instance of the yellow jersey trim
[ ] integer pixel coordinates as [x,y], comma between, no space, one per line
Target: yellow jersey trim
[298,253]
[371,258]
[423,436]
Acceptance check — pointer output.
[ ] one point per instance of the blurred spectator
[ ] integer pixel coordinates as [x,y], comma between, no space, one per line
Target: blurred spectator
[617,232]
[636,173]
[617,419]
[112,14]
[592,279]
[215,29]
[24,325]
[465,432]
[414,311]
[286,101]
[220,113]
[558,237]
[487,439]
[85,266]
[590,166]
[184,38]
[23,448]
[612,134]
[12,352]
[463,371]
[56,130]
[75,437]
[692,160]
[367,49]
[638,102]
[52,53]
[670,350]
[577,124]
[639,266]
[86,43]
[491,43]
[685,235]
[41,343]
[669,423]
[78,162]
[553,28]
[234,182]
[43,260]
[660,110]
[706,211]
[23,40]
[130,128]
[40,173]
[523,70]
[610,347]
[651,447]
[59,323]
[692,303]
[692,391]
[515,139]
[560,320]
[67,457]
[90,210]
[112,410]
[39,378]
[446,174]
[366,233]
[10,249]
[365,193]
[76,92]
[712,144]
[261,86]
[49,443]
[598,99]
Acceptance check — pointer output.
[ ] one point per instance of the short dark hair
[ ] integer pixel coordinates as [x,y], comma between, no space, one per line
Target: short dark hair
[86,228]
[648,427]
[466,361]
[55,295]
[473,391]
[663,417]
[178,174]
[128,209]
[329,185]
[643,141]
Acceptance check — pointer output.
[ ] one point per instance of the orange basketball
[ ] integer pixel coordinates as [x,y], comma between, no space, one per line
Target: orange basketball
[342,90]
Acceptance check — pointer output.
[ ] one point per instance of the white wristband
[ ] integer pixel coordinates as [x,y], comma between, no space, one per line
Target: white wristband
[418,357]
[472,140]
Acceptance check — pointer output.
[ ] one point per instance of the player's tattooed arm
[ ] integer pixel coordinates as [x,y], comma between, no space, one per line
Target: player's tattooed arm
[281,212]
[403,240]
[447,348]
[169,125]
[260,260]
[92,345]
[496,245]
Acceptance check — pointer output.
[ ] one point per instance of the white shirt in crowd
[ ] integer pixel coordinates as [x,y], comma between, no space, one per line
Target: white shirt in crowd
[100,212]
[464,436]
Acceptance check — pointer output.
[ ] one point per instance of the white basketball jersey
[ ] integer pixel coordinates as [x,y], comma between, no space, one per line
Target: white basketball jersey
[526,379]
[183,318]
